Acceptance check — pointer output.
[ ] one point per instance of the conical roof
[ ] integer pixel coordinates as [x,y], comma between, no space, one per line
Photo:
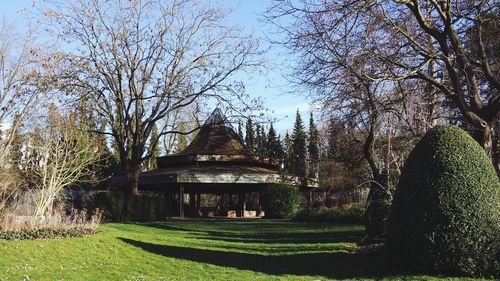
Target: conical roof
[216,137]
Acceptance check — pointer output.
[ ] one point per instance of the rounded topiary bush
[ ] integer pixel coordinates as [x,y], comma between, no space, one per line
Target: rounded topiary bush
[446,210]
[280,200]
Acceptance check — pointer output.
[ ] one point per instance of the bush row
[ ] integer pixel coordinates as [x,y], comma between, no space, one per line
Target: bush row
[46,233]
[280,201]
[116,207]
[334,215]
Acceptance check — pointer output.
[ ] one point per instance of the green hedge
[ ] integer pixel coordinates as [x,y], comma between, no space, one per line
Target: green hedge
[142,207]
[46,233]
[446,210]
[280,200]
[334,215]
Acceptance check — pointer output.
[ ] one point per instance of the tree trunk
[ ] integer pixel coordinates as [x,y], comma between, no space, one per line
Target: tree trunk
[378,201]
[131,176]
[496,146]
[484,137]
[488,139]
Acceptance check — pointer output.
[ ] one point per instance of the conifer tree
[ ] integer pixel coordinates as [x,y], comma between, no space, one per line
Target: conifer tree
[240,131]
[154,148]
[258,139]
[280,152]
[103,146]
[250,134]
[181,138]
[299,147]
[272,145]
[312,148]
[288,153]
[16,147]
[107,165]
[263,142]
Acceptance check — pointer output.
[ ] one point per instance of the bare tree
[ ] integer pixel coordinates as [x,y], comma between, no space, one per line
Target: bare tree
[17,99]
[60,156]
[337,65]
[376,62]
[446,44]
[17,94]
[141,61]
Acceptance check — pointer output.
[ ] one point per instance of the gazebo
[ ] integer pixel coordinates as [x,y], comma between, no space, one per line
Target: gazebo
[216,175]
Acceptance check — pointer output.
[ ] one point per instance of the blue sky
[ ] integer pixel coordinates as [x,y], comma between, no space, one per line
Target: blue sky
[269,85]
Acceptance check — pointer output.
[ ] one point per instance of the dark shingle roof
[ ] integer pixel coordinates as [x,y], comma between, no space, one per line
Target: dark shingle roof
[216,137]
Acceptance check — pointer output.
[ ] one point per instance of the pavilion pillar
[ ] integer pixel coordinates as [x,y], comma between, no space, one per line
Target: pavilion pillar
[310,198]
[243,204]
[167,202]
[198,204]
[259,211]
[181,201]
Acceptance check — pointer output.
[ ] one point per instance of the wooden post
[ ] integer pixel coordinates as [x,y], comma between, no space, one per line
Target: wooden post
[259,211]
[310,198]
[243,204]
[167,202]
[181,201]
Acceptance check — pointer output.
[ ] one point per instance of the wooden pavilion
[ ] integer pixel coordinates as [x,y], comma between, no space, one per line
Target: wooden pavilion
[216,175]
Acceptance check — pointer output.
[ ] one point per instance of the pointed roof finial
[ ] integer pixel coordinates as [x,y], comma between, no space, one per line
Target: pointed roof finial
[217,118]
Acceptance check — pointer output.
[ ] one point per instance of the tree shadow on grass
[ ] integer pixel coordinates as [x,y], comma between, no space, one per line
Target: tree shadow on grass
[267,235]
[332,265]
[284,238]
[168,227]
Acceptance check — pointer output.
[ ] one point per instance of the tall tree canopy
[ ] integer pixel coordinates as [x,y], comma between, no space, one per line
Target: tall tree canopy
[438,51]
[140,61]
[313,147]
[299,147]
[273,146]
[288,153]
[249,134]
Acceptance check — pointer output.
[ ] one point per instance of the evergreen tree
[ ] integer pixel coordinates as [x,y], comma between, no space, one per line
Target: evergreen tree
[250,134]
[240,132]
[197,126]
[299,147]
[107,165]
[312,148]
[181,138]
[153,148]
[258,139]
[103,146]
[280,152]
[16,149]
[288,153]
[263,142]
[273,144]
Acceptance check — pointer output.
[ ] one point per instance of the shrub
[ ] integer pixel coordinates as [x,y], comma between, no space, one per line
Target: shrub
[46,233]
[446,209]
[335,215]
[144,207]
[20,216]
[280,200]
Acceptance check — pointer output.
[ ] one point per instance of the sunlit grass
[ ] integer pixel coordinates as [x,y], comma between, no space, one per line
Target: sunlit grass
[197,250]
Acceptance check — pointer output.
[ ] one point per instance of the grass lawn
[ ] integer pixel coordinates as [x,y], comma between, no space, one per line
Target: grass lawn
[197,250]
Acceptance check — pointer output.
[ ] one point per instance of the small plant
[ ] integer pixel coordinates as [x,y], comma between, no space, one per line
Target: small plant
[280,200]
